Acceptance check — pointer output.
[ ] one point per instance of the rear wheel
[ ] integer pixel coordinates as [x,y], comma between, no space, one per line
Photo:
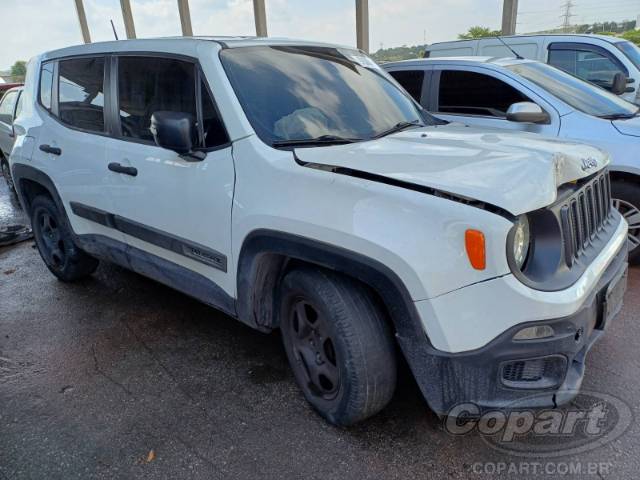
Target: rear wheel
[626,199]
[338,344]
[56,247]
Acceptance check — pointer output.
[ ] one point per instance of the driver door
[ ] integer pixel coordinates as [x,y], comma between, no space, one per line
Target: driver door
[481,98]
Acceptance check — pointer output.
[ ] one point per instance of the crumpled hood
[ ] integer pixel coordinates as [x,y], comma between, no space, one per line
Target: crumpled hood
[629,127]
[518,172]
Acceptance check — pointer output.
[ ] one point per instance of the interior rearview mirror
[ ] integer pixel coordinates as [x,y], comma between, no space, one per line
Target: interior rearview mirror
[175,131]
[527,112]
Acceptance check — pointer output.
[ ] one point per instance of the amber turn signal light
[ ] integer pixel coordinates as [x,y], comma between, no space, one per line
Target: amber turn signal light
[474,243]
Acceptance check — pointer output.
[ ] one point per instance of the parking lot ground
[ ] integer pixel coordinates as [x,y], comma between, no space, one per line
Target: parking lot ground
[121,377]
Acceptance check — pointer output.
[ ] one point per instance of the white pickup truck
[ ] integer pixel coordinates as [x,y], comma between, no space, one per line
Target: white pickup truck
[296,186]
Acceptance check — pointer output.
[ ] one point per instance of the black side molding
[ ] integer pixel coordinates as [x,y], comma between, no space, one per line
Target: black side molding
[162,239]
[373,177]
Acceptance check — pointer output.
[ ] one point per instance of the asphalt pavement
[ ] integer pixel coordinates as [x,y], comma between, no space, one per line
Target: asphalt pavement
[121,377]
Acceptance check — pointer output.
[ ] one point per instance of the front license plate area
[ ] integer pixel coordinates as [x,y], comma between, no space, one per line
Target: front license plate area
[614,297]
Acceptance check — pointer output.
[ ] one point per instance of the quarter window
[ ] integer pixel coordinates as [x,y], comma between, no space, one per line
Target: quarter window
[411,81]
[81,93]
[470,93]
[7,107]
[46,85]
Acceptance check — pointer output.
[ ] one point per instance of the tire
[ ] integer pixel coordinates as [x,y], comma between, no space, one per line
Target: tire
[626,198]
[6,173]
[55,244]
[338,344]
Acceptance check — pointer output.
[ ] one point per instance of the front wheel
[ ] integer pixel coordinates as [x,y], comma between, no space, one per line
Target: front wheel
[338,344]
[626,199]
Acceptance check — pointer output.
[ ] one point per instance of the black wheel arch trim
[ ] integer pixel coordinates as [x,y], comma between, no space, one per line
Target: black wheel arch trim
[21,172]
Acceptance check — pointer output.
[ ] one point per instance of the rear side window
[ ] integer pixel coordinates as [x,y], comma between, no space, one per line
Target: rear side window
[7,106]
[411,81]
[150,84]
[470,93]
[81,93]
[46,85]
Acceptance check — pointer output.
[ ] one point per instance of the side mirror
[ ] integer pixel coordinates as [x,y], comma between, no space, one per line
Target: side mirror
[527,112]
[619,83]
[174,131]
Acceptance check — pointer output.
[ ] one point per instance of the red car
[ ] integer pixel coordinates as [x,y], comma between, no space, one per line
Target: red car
[7,86]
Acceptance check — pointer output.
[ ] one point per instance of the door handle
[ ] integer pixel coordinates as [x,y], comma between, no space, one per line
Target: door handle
[51,150]
[118,168]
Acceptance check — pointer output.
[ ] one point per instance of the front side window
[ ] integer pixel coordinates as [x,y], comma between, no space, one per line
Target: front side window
[147,85]
[592,66]
[7,107]
[81,93]
[46,85]
[471,93]
[411,81]
[300,93]
[578,94]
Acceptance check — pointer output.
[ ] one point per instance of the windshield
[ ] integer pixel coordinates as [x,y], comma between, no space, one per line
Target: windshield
[296,93]
[632,52]
[579,94]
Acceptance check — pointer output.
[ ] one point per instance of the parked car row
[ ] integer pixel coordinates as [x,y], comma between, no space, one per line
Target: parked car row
[530,96]
[296,186]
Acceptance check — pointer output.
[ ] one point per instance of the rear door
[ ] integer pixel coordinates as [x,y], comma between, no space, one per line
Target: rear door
[71,146]
[173,207]
[481,97]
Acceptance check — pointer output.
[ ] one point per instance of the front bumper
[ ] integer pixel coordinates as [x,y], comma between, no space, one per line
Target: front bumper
[488,376]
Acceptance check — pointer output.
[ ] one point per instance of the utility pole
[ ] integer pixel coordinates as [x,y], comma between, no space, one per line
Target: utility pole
[82,18]
[127,16]
[566,16]
[362,25]
[185,18]
[509,16]
[260,17]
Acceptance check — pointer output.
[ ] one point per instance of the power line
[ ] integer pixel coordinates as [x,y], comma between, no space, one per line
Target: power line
[566,24]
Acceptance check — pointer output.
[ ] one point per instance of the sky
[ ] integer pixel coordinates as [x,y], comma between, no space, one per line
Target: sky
[29,27]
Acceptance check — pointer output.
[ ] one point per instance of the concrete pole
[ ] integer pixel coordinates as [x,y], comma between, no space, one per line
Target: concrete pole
[82,18]
[127,16]
[509,16]
[185,18]
[362,25]
[260,16]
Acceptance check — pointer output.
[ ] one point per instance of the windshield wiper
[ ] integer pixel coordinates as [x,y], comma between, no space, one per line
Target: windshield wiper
[398,127]
[321,140]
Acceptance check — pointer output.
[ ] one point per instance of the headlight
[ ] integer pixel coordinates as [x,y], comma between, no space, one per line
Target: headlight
[521,241]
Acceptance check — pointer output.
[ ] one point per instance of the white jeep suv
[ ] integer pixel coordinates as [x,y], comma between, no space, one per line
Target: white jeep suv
[295,185]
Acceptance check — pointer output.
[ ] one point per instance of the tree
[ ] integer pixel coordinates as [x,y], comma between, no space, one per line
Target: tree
[479,32]
[19,70]
[632,36]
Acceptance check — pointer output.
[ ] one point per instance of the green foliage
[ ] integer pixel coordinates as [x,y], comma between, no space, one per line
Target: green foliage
[632,36]
[479,32]
[19,70]
[398,53]
[606,28]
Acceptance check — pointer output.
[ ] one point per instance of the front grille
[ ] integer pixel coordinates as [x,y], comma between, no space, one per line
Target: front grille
[524,371]
[584,215]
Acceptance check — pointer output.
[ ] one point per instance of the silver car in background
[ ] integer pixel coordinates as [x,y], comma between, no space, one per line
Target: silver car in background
[10,105]
[527,95]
